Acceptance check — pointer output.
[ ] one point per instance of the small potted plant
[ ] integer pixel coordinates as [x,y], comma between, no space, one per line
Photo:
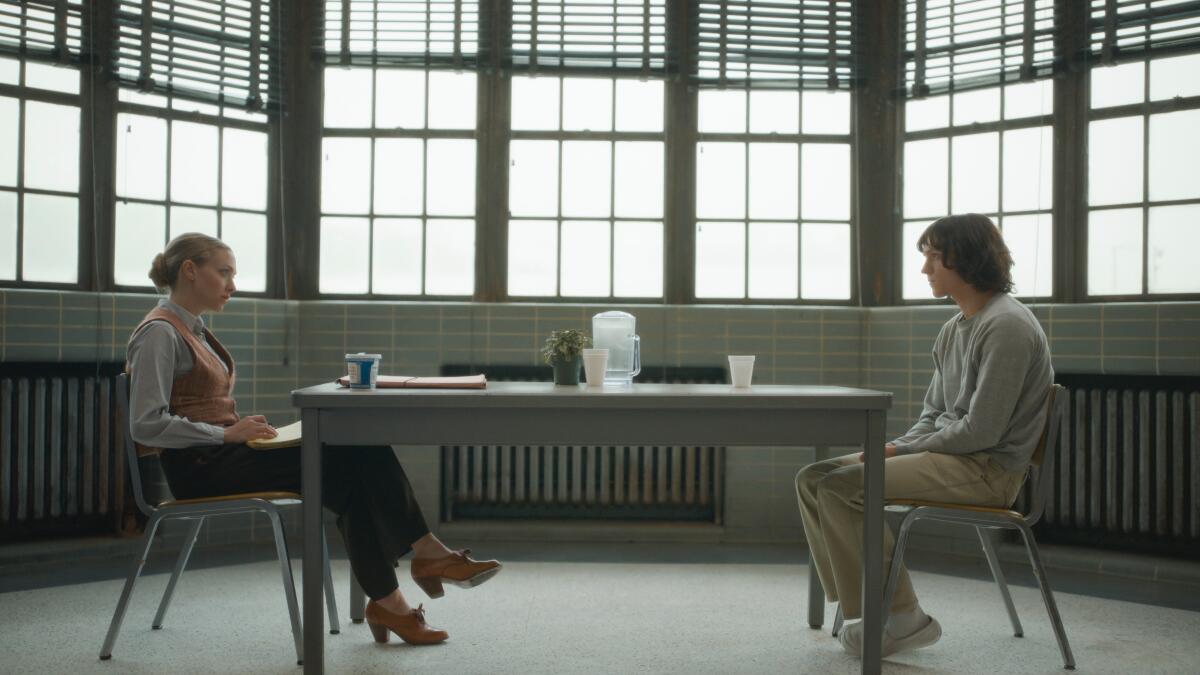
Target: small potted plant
[564,351]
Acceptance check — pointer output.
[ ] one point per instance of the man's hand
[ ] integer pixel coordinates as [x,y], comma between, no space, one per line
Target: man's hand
[889,450]
[248,428]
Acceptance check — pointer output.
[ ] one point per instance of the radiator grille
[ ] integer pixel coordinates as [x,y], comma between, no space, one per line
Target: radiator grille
[584,482]
[61,466]
[1127,472]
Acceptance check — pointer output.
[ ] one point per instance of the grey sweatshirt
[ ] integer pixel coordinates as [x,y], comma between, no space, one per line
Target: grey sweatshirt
[991,376]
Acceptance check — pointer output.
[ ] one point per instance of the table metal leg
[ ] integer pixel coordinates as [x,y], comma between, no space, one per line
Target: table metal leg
[872,603]
[314,595]
[358,600]
[816,592]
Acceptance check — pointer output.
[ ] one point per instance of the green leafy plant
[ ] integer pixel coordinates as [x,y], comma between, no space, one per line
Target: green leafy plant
[564,345]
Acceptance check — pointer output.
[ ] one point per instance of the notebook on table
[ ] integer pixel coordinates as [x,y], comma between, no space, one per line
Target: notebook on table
[408,382]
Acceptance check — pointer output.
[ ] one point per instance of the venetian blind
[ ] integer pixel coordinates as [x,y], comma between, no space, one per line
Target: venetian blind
[1124,29]
[403,33]
[598,36]
[46,30]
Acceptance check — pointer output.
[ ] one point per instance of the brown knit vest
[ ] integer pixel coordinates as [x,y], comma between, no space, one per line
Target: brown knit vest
[205,393]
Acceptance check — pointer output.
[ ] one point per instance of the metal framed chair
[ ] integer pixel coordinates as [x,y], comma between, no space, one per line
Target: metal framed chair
[196,511]
[985,519]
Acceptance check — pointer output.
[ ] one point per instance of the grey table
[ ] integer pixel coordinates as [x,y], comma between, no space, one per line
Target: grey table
[534,413]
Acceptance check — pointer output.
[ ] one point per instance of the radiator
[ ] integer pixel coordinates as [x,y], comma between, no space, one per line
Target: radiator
[1127,468]
[62,470]
[584,482]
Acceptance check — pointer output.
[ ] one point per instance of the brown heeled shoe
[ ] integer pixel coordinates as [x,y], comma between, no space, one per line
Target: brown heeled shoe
[457,569]
[410,627]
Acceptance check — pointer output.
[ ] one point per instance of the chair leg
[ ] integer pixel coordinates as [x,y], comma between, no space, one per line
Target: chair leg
[358,599]
[989,550]
[330,600]
[139,561]
[289,585]
[184,553]
[837,621]
[1060,633]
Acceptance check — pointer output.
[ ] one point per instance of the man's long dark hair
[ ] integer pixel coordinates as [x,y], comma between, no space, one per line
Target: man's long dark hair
[972,246]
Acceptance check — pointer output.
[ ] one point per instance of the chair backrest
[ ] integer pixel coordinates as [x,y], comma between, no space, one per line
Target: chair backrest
[131,454]
[1041,469]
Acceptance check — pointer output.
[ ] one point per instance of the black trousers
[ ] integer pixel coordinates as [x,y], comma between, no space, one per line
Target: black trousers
[364,485]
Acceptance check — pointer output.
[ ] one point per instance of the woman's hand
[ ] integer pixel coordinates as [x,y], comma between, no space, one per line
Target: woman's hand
[889,450]
[248,428]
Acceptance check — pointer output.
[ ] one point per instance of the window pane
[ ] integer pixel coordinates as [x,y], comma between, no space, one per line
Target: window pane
[926,180]
[825,173]
[639,105]
[975,179]
[50,245]
[345,175]
[399,99]
[399,176]
[184,105]
[532,257]
[348,97]
[450,257]
[1118,85]
[1029,99]
[586,178]
[397,256]
[825,261]
[51,146]
[10,117]
[450,177]
[140,235]
[585,267]
[638,262]
[916,286]
[721,180]
[982,105]
[927,113]
[1174,235]
[244,169]
[1176,76]
[720,260]
[826,112]
[344,253]
[451,100]
[773,183]
[194,163]
[191,219]
[246,234]
[8,235]
[10,71]
[141,157]
[1029,241]
[638,177]
[54,78]
[587,104]
[535,103]
[1114,252]
[533,178]
[774,260]
[1115,161]
[774,112]
[1174,149]
[1028,169]
[722,111]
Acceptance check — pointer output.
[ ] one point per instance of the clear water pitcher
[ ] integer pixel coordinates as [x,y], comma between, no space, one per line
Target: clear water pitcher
[615,331]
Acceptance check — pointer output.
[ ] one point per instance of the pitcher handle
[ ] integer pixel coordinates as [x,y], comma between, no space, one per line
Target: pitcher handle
[637,356]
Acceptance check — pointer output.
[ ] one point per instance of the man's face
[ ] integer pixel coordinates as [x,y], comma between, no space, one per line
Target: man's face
[942,281]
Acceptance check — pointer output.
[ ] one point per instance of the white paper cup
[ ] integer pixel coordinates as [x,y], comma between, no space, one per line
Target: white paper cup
[595,362]
[741,369]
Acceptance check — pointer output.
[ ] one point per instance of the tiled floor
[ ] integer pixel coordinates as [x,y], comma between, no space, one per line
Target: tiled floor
[561,614]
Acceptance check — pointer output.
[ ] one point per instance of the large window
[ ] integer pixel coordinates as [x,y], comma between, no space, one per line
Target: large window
[189,167]
[773,195]
[586,188]
[1143,191]
[39,172]
[398,182]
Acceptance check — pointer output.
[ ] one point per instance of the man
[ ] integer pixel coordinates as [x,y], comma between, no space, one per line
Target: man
[983,415]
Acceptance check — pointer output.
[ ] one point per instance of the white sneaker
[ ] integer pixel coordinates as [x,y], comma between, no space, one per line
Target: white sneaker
[851,638]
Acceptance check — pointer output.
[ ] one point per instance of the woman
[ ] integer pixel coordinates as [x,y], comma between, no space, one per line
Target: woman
[181,406]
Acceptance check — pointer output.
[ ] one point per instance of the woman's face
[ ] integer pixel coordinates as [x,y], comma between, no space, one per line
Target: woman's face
[212,281]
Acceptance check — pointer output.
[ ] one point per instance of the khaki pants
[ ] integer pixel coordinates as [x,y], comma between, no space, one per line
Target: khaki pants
[831,505]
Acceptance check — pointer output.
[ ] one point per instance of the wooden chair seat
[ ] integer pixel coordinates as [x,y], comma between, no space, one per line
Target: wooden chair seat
[265,496]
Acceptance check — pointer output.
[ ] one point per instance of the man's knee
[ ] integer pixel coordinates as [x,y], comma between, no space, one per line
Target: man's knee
[808,477]
[842,483]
